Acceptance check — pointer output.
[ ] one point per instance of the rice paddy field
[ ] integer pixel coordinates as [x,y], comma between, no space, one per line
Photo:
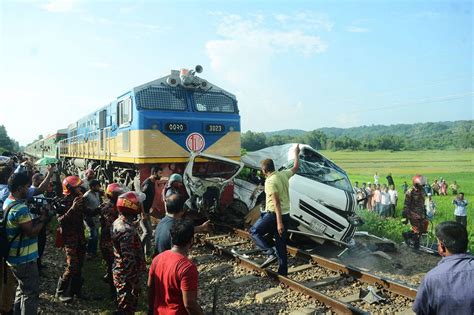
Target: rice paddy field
[450,165]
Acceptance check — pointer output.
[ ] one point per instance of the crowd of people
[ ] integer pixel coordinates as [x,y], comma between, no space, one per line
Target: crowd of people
[383,198]
[113,218]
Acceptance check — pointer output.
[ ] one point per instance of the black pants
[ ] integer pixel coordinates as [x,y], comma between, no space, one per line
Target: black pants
[41,242]
[461,219]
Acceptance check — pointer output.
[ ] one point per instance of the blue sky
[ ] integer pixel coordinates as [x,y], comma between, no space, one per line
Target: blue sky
[291,64]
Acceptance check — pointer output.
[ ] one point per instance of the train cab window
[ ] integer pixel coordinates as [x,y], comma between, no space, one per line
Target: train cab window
[214,102]
[102,118]
[124,111]
[160,98]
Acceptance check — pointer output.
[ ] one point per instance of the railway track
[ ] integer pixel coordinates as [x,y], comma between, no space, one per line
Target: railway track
[331,286]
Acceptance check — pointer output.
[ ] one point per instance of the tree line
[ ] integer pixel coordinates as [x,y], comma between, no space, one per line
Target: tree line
[6,143]
[420,136]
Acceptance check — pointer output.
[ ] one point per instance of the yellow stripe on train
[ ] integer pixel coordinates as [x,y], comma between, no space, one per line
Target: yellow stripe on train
[145,146]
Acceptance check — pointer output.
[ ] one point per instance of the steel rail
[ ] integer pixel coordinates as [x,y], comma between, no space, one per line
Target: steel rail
[338,306]
[354,272]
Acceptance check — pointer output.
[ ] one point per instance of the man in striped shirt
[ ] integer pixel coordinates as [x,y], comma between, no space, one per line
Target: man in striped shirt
[23,233]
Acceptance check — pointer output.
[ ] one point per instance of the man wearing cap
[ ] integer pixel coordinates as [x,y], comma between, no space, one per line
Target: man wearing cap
[173,186]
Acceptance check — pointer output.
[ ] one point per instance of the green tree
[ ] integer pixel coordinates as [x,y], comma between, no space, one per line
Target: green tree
[253,141]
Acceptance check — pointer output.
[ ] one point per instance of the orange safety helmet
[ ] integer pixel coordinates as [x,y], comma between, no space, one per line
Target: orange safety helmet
[114,190]
[419,179]
[130,202]
[69,183]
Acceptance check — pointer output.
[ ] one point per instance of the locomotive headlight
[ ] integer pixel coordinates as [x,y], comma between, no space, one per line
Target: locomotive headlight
[154,126]
[231,128]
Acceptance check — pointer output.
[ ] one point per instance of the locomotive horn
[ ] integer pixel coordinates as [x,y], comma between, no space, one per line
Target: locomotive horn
[172,81]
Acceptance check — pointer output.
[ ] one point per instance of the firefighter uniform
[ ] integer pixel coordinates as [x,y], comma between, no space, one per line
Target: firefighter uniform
[129,264]
[71,225]
[414,211]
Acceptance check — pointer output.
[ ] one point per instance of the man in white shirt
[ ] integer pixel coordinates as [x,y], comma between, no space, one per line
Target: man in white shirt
[393,200]
[460,212]
[92,201]
[384,202]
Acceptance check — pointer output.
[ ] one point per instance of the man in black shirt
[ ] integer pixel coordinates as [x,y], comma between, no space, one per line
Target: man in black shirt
[148,188]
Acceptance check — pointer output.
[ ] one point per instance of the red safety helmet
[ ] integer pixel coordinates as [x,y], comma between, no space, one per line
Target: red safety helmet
[69,183]
[419,179]
[130,202]
[114,190]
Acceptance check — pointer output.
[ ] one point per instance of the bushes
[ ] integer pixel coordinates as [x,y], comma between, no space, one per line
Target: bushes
[390,228]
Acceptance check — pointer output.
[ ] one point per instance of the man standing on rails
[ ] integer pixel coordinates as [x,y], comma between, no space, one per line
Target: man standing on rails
[276,216]
[448,288]
[414,211]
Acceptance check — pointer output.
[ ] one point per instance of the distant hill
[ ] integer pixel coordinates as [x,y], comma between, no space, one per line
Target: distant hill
[431,135]
[286,132]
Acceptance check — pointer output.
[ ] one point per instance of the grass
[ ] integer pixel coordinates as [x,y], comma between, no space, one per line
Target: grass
[450,165]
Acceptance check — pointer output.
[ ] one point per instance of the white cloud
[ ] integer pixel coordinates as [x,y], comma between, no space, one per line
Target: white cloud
[245,57]
[59,6]
[356,29]
[306,20]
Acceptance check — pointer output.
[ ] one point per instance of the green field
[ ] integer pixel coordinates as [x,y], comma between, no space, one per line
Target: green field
[450,165]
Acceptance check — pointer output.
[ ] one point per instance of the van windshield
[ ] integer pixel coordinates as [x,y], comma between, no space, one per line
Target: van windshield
[321,171]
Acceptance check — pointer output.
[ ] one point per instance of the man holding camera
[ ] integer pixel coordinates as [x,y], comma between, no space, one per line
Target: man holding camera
[23,232]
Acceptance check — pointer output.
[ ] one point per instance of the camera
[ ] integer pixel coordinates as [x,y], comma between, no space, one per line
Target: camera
[52,205]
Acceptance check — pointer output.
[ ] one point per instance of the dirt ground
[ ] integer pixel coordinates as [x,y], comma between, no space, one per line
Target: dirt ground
[403,264]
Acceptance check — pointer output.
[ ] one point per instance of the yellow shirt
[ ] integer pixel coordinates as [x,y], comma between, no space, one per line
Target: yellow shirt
[278,182]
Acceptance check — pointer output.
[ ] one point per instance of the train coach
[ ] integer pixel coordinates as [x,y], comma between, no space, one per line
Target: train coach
[158,123]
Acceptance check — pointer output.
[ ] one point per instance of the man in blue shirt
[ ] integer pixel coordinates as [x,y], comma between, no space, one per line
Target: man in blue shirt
[174,211]
[449,287]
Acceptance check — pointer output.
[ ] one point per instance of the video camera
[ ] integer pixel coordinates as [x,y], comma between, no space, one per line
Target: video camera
[52,205]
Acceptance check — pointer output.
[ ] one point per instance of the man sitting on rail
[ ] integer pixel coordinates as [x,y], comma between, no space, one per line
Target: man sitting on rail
[276,217]
[448,288]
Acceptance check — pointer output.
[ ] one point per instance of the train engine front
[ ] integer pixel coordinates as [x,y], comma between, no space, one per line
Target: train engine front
[157,124]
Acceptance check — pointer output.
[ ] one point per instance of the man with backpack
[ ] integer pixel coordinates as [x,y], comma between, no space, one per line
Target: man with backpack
[7,280]
[22,244]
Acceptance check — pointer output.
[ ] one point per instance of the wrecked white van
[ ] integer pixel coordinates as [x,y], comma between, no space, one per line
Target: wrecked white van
[322,199]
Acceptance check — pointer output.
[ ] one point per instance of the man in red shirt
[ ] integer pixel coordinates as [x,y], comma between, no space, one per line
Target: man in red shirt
[173,278]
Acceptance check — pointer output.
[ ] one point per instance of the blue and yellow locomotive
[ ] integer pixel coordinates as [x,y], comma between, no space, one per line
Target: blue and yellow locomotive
[155,124]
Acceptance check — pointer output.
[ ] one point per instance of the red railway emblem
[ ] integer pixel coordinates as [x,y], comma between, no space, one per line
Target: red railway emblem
[195,142]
